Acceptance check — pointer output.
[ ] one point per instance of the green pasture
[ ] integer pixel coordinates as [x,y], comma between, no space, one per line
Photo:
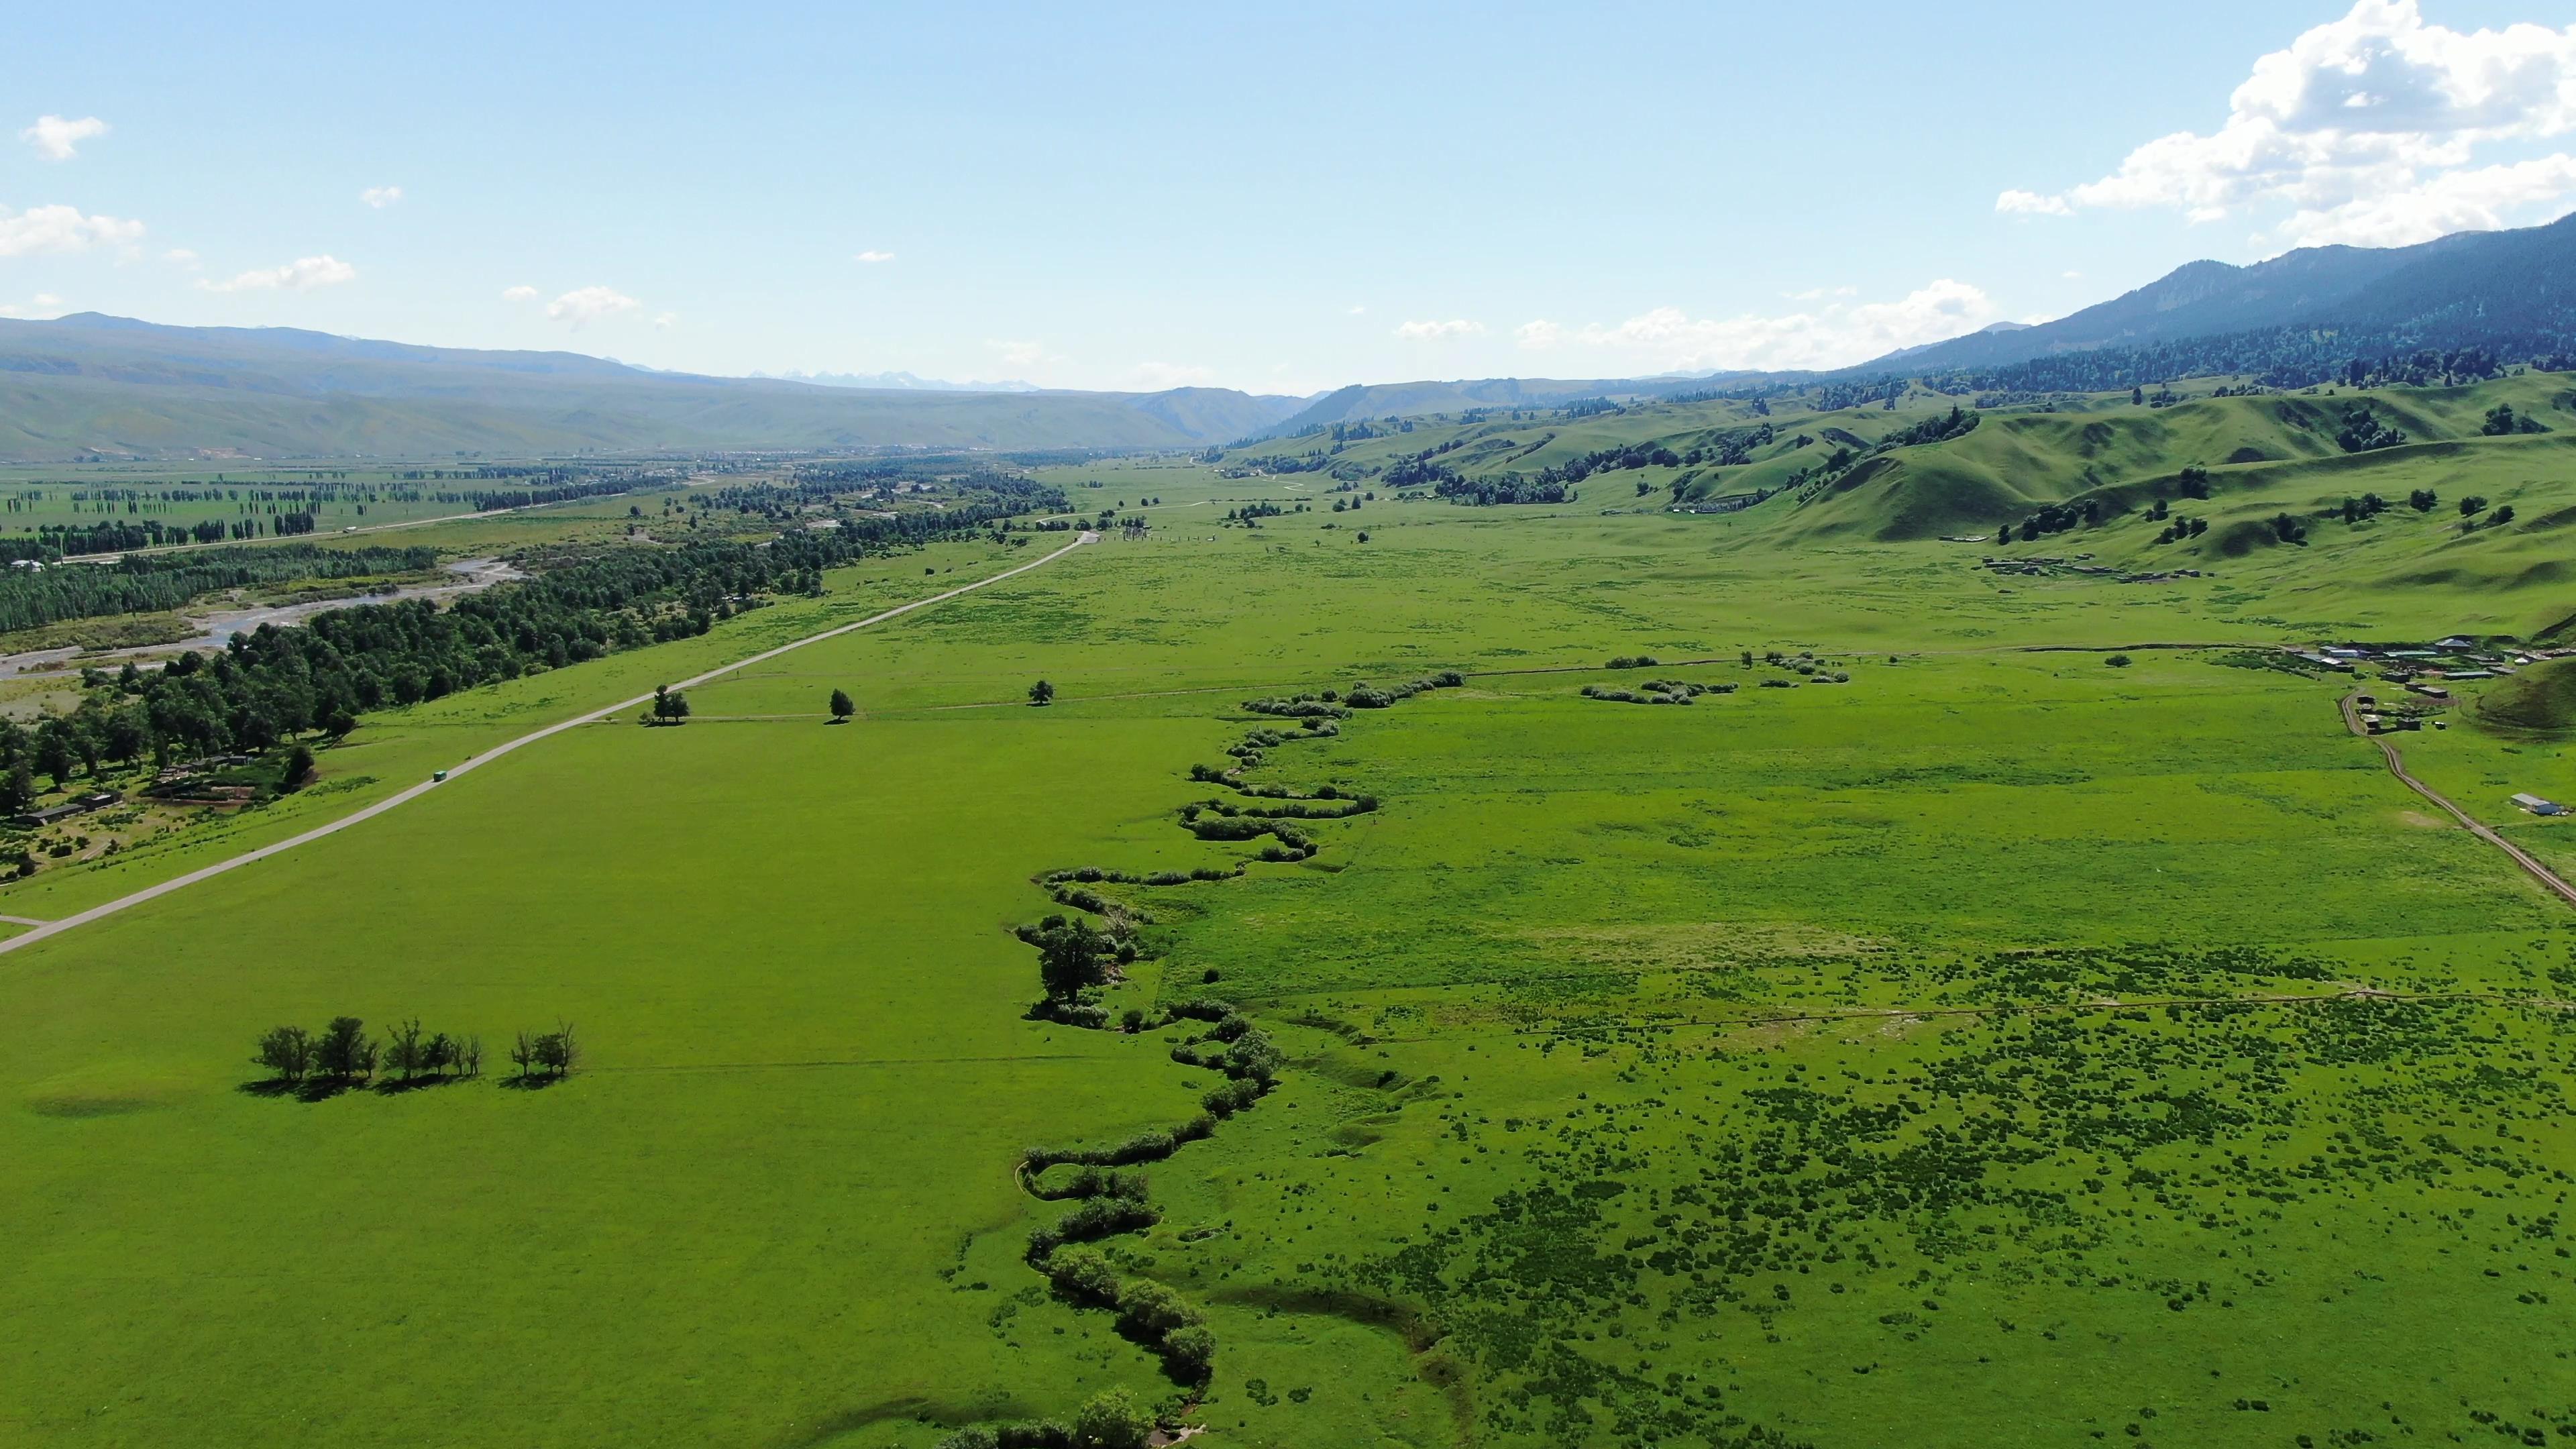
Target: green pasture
[1839,1064]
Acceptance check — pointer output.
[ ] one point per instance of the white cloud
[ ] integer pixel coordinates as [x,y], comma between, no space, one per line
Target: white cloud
[43,304]
[873,257]
[2031,203]
[1355,312]
[2366,128]
[180,257]
[665,321]
[1818,294]
[588,304]
[518,294]
[381,197]
[1023,354]
[1438,331]
[1834,335]
[1157,376]
[57,139]
[301,275]
[61,229]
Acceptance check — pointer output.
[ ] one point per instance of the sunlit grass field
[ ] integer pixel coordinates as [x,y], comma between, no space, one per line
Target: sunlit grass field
[1905,1060]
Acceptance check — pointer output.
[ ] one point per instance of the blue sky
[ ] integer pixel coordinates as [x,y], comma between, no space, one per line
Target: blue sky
[1281,199]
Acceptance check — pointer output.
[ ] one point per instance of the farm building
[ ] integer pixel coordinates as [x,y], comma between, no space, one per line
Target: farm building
[82,805]
[2538,806]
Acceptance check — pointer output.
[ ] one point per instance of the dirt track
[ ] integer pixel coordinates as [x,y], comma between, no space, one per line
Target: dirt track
[2397,767]
[55,928]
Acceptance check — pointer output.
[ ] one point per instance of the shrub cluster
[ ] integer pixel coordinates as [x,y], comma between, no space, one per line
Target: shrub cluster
[1373,696]
[1658,691]
[1073,956]
[1304,706]
[1110,1420]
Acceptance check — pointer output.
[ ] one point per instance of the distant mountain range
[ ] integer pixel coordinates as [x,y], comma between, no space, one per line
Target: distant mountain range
[95,386]
[88,386]
[896,382]
[2509,293]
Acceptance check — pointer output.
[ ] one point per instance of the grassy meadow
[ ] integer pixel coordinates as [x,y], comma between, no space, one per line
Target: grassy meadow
[1966,1052]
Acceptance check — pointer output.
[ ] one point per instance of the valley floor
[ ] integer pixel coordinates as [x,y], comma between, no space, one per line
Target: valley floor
[1996,1046]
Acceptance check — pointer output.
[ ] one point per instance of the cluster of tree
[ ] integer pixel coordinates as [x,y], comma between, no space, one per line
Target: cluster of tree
[1958,423]
[2368,505]
[2363,432]
[1732,450]
[1110,1419]
[1314,462]
[670,707]
[2182,528]
[2279,358]
[57,540]
[273,683]
[343,1053]
[1075,958]
[1836,396]
[2193,482]
[2054,518]
[143,583]
[1418,471]
[1592,407]
[2502,421]
[1610,460]
[2288,529]
[1247,513]
[2475,504]
[1501,489]
[488,500]
[544,1054]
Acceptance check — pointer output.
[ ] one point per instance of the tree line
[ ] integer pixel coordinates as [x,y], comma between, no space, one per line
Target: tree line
[271,684]
[344,1054]
[138,584]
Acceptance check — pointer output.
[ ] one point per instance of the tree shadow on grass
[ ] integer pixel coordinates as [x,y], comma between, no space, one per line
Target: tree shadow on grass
[311,1089]
[535,1083]
[397,1086]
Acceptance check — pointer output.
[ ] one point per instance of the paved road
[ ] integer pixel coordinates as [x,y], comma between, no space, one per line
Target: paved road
[55,928]
[2397,767]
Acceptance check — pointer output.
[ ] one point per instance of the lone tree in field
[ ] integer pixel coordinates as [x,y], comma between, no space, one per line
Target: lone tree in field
[669,705]
[1041,693]
[843,706]
[287,1052]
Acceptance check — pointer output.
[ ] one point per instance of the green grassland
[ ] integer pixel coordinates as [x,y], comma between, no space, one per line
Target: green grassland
[1959,1054]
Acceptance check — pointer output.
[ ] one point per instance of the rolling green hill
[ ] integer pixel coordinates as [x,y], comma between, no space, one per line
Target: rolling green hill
[2539,700]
